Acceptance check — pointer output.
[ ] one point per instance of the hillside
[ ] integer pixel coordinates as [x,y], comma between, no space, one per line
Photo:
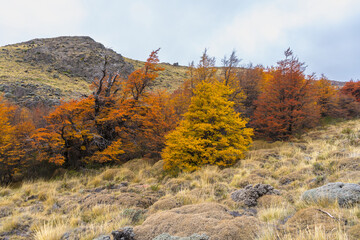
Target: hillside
[88,204]
[169,79]
[47,70]
[51,69]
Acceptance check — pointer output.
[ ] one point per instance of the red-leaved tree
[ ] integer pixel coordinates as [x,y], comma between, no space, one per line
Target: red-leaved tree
[288,102]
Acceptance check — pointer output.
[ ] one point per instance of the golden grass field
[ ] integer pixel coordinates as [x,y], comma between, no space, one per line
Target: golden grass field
[89,203]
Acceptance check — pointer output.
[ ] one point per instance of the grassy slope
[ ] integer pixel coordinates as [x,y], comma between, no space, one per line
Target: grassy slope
[14,70]
[169,79]
[87,201]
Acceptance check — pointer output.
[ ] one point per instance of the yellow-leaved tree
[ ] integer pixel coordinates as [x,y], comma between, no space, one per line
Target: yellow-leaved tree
[210,133]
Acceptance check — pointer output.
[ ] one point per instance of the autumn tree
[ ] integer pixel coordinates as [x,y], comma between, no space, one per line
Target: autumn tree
[249,80]
[15,130]
[352,88]
[229,77]
[328,97]
[119,121]
[211,132]
[205,70]
[288,103]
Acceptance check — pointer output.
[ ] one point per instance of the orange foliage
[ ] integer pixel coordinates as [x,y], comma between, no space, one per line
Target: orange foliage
[352,89]
[119,121]
[14,140]
[328,97]
[288,103]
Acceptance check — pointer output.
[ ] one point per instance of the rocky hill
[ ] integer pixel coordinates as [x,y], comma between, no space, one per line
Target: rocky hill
[51,69]
[47,70]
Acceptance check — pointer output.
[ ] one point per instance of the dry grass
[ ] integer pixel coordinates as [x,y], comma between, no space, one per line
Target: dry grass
[169,79]
[13,69]
[48,209]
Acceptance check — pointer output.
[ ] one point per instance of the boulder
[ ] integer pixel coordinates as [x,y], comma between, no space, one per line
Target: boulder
[103,237]
[125,233]
[250,194]
[346,194]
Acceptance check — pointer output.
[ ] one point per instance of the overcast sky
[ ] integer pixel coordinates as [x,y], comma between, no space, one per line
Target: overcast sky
[325,34]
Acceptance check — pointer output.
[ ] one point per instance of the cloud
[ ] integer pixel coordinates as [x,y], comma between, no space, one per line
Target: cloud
[266,29]
[21,18]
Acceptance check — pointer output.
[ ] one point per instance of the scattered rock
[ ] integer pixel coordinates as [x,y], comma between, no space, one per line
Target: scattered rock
[126,233]
[74,233]
[166,236]
[250,194]
[32,197]
[346,194]
[211,219]
[6,211]
[245,212]
[103,237]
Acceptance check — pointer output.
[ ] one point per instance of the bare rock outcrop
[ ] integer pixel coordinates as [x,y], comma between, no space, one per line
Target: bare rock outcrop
[346,194]
[250,194]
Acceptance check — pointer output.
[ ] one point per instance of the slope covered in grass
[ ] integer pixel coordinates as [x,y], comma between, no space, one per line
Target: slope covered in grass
[89,203]
[47,70]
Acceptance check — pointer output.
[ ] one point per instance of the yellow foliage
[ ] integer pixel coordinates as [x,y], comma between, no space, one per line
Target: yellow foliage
[211,132]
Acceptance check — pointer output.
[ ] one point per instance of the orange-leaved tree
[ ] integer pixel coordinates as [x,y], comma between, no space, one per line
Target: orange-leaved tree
[119,121]
[352,88]
[204,71]
[15,130]
[328,98]
[210,133]
[69,135]
[288,103]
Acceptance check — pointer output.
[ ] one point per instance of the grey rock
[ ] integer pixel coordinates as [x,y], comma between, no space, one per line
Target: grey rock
[166,236]
[126,233]
[103,237]
[76,56]
[8,95]
[346,194]
[244,212]
[250,194]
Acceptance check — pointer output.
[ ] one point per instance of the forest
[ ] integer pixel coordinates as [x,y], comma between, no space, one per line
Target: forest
[211,119]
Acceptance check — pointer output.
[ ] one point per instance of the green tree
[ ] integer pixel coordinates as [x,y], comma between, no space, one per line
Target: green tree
[210,133]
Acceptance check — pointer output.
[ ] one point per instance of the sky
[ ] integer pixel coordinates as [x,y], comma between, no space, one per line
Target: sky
[325,34]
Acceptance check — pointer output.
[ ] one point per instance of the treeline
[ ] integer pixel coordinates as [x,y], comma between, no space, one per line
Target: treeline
[122,119]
